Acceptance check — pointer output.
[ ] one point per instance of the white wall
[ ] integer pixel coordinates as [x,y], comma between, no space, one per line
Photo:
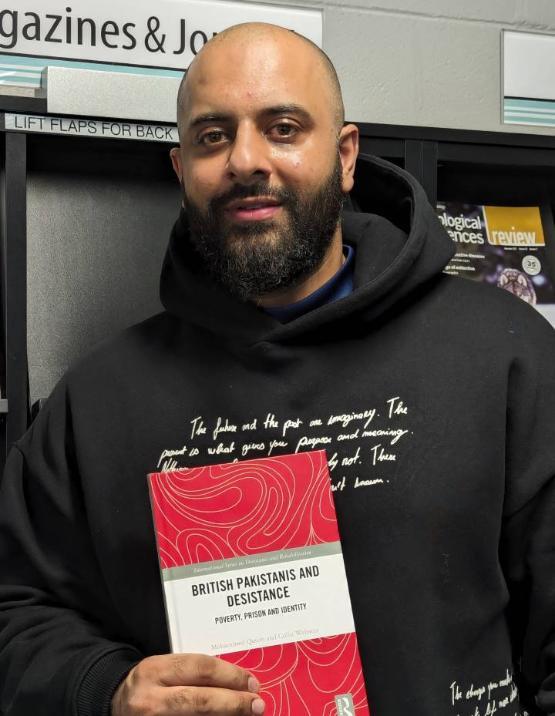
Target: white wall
[430,63]
[433,63]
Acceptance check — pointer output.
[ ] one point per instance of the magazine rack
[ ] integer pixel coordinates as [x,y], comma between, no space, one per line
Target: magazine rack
[109,94]
[455,165]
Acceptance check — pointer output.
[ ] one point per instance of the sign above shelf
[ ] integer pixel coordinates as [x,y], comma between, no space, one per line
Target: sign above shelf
[129,36]
[528,79]
[96,128]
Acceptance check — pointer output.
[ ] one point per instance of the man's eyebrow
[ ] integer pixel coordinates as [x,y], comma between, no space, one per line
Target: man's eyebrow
[280,109]
[274,111]
[209,117]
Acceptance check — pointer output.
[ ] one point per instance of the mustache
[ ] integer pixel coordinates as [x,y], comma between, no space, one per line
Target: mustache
[248,191]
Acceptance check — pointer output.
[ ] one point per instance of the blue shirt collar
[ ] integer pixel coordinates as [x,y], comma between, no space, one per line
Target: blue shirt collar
[338,286]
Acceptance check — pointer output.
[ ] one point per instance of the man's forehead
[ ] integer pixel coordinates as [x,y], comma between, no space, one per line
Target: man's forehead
[261,96]
[268,44]
[275,70]
[255,65]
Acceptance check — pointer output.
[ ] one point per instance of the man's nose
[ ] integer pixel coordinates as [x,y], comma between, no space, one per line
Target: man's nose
[249,159]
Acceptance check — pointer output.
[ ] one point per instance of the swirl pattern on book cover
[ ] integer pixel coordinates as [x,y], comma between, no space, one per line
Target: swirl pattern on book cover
[243,508]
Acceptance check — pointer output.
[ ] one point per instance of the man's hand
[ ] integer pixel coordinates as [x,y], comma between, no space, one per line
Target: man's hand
[186,685]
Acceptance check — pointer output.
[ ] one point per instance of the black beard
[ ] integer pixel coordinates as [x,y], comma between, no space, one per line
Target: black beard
[254,259]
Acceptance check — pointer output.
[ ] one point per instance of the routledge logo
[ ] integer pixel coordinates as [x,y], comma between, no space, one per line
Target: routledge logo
[345,705]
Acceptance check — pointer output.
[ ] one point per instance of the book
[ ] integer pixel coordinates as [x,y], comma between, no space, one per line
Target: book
[504,246]
[253,572]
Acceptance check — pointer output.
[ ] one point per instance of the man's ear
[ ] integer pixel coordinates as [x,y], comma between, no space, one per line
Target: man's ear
[175,156]
[348,152]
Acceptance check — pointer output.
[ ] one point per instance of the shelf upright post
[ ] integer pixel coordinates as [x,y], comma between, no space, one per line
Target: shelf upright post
[413,158]
[421,162]
[13,235]
[429,170]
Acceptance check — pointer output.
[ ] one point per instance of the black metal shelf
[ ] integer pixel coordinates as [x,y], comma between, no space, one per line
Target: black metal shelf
[506,167]
[465,136]
[32,105]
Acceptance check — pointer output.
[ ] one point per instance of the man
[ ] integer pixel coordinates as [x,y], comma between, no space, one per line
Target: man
[286,329]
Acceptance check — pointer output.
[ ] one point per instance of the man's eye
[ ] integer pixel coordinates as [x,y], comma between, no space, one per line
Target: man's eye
[215,136]
[283,130]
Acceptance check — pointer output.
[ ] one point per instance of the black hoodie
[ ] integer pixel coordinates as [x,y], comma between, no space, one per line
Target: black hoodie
[434,398]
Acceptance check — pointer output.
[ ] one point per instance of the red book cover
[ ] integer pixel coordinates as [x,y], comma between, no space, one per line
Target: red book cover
[253,572]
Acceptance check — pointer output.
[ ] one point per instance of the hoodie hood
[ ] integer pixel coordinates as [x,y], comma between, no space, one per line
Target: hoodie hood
[400,245]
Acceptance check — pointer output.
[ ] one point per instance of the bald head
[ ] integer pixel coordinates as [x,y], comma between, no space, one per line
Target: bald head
[264,162]
[240,39]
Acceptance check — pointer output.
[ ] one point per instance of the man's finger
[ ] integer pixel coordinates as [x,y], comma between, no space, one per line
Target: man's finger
[193,700]
[203,670]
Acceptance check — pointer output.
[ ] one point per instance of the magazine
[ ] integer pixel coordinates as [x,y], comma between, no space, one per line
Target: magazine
[503,246]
